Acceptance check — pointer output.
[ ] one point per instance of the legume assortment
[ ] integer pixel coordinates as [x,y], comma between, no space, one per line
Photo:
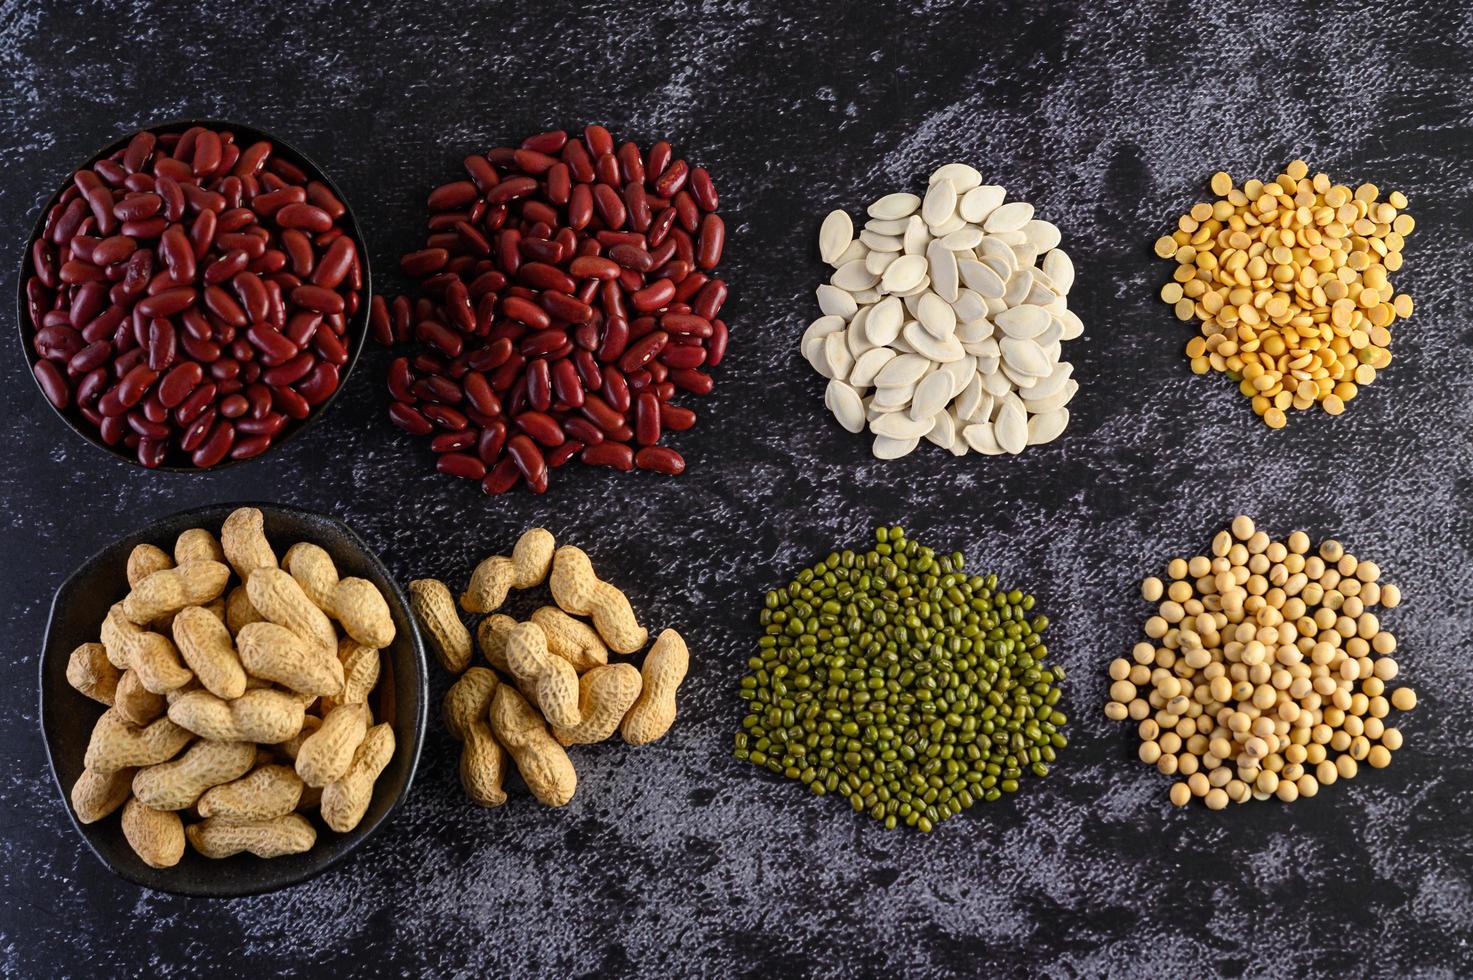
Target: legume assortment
[1290,283]
[951,307]
[190,297]
[900,682]
[1264,673]
[567,294]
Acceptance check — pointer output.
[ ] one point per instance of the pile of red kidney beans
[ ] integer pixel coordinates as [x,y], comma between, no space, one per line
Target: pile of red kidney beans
[190,297]
[566,297]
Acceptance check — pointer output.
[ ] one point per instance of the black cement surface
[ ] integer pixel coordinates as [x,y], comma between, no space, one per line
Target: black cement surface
[676,860]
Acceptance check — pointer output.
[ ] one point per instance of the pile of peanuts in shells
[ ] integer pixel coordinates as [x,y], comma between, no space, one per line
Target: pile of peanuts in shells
[944,319]
[548,683]
[244,708]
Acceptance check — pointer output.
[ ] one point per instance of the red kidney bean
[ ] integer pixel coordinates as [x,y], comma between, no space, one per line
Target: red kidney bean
[703,189]
[612,454]
[409,419]
[52,383]
[213,449]
[660,459]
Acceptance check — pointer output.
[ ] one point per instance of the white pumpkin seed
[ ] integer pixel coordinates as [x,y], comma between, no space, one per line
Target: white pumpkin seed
[902,425]
[943,431]
[1055,380]
[1047,426]
[980,437]
[868,364]
[936,316]
[878,262]
[964,239]
[853,277]
[856,250]
[905,273]
[1011,427]
[981,279]
[886,227]
[931,396]
[834,301]
[894,398]
[836,356]
[886,448]
[834,235]
[1008,217]
[893,206]
[880,243]
[940,203]
[905,369]
[1024,322]
[939,351]
[970,305]
[1060,270]
[979,202]
[941,264]
[917,236]
[844,402]
[962,176]
[1042,235]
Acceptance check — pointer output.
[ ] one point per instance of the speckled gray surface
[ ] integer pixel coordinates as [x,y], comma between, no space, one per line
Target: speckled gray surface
[675,859]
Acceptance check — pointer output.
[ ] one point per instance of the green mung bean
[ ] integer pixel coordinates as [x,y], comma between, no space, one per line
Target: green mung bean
[901,683]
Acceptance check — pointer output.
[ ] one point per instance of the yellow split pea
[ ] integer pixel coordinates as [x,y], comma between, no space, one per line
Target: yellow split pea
[1289,282]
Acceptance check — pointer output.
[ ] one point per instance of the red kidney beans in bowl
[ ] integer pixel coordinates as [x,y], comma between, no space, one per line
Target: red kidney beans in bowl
[189,296]
[567,294]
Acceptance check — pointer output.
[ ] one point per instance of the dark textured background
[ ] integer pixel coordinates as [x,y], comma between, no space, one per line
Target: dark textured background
[675,859]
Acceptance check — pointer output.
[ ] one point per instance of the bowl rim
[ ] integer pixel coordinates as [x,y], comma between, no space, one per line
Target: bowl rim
[359,320]
[419,722]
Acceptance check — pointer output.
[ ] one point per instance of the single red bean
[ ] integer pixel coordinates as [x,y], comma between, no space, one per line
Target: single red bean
[583,431]
[703,189]
[307,217]
[676,418]
[450,197]
[320,383]
[631,164]
[653,296]
[53,384]
[580,207]
[162,345]
[140,148]
[610,207]
[541,427]
[330,347]
[215,446]
[659,158]
[660,459]
[716,346]
[409,419]
[528,459]
[317,298]
[673,179]
[463,465]
[503,477]
[249,447]
[643,350]
[612,454]
[712,241]
[379,324]
[233,406]
[423,262]
[336,262]
[647,419]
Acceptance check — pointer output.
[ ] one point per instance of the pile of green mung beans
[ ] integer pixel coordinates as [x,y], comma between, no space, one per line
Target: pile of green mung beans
[900,682]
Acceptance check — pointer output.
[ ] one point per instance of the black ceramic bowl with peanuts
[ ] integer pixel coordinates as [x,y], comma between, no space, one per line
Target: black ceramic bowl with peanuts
[68,716]
[194,295]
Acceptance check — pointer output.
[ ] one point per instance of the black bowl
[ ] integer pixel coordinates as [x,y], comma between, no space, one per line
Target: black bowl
[67,716]
[357,326]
